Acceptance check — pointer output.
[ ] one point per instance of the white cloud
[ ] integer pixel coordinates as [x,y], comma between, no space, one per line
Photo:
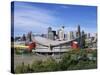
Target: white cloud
[64,6]
[28,18]
[37,19]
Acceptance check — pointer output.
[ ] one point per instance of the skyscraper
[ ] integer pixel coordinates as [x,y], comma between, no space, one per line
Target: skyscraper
[88,35]
[49,29]
[75,34]
[50,33]
[79,35]
[23,37]
[29,36]
[55,35]
[66,36]
[83,39]
[78,31]
[61,33]
[70,35]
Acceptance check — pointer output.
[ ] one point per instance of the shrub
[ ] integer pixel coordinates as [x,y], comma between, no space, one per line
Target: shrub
[69,61]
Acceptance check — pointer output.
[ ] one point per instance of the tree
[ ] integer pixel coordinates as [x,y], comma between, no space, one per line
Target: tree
[50,65]
[37,66]
[71,60]
[65,62]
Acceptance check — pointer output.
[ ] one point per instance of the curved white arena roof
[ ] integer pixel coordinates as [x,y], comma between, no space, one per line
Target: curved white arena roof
[48,42]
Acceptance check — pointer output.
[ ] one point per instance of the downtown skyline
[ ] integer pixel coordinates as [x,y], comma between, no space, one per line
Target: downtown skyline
[37,17]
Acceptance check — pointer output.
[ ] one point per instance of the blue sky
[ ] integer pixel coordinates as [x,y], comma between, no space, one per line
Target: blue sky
[37,17]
